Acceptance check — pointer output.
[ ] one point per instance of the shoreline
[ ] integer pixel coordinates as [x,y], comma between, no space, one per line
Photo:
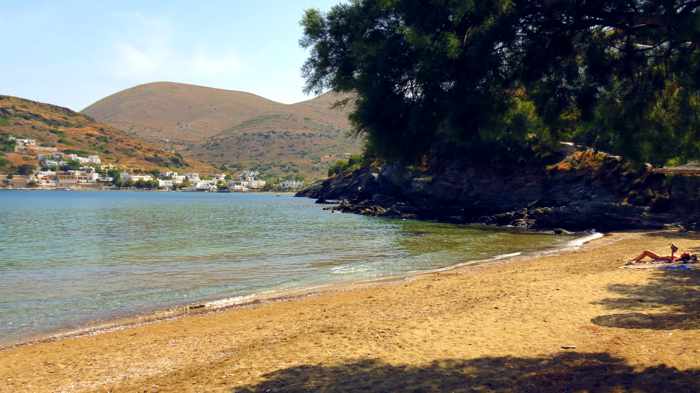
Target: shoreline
[214,305]
[88,189]
[548,323]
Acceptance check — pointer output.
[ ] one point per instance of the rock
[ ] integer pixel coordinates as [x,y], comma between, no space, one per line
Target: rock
[561,231]
[573,195]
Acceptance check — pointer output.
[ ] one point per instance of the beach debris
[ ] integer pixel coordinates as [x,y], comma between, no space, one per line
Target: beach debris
[568,346]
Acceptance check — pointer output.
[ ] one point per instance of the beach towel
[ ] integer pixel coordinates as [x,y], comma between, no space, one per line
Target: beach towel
[663,266]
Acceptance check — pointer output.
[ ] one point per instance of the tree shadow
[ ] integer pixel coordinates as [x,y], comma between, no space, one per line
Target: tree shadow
[566,372]
[669,301]
[686,235]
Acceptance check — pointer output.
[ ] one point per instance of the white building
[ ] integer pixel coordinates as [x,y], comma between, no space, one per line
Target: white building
[23,144]
[51,163]
[51,160]
[165,183]
[93,159]
[192,177]
[237,187]
[178,179]
[45,178]
[254,184]
[248,180]
[135,178]
[205,185]
[291,184]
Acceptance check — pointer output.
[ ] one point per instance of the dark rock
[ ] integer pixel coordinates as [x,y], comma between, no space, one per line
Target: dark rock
[585,190]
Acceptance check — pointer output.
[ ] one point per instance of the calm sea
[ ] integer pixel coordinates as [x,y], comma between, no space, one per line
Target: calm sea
[71,258]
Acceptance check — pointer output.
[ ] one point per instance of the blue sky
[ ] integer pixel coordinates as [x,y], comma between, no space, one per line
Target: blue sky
[72,53]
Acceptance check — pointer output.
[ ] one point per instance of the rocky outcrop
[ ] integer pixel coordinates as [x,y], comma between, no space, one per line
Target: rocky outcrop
[584,190]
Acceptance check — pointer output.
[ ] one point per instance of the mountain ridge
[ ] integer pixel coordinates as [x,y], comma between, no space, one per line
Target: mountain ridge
[234,128]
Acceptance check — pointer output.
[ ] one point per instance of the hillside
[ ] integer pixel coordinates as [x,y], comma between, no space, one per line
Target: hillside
[232,128]
[53,126]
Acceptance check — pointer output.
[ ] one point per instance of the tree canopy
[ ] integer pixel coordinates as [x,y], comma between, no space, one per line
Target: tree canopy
[622,76]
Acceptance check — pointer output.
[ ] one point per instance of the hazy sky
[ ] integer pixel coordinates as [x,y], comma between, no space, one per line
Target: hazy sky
[72,53]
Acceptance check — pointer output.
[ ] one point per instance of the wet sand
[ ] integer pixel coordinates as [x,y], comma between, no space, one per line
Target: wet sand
[567,322]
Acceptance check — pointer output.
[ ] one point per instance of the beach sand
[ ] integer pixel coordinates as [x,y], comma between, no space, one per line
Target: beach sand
[568,322]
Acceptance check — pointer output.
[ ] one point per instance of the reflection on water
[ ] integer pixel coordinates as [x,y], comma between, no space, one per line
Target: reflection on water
[67,258]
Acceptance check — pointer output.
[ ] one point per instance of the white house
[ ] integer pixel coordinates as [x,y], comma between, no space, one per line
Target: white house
[93,159]
[164,183]
[50,163]
[22,144]
[291,184]
[205,185]
[178,179]
[45,178]
[254,184]
[248,180]
[237,187]
[134,178]
[192,177]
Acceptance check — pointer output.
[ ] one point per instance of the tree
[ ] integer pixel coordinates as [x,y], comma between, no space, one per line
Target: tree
[186,183]
[115,175]
[7,144]
[496,75]
[71,165]
[25,169]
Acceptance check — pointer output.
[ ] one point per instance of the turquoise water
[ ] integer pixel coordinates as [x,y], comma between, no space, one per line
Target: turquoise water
[71,258]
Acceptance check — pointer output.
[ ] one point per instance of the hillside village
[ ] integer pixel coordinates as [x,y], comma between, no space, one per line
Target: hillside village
[71,169]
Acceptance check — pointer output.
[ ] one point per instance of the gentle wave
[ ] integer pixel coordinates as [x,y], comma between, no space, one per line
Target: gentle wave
[102,255]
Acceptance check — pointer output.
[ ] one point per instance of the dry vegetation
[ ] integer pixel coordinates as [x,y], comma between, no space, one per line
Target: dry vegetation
[233,128]
[53,126]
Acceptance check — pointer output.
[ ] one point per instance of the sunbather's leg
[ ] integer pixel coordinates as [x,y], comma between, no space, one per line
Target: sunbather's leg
[646,253]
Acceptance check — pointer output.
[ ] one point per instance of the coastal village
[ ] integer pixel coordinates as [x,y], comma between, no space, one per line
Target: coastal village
[75,170]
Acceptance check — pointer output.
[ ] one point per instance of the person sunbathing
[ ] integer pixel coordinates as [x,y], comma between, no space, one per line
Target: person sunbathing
[685,257]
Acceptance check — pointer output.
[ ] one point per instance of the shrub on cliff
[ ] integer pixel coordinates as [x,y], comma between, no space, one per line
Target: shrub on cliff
[341,166]
[616,75]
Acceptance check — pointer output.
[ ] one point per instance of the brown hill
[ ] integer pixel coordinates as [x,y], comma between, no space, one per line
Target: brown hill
[232,128]
[54,126]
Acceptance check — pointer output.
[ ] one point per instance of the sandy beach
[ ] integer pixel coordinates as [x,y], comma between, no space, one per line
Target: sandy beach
[568,322]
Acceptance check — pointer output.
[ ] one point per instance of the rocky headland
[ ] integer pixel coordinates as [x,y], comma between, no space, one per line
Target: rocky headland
[579,190]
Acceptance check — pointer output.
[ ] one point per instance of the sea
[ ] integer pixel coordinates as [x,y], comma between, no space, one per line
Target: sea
[71,259]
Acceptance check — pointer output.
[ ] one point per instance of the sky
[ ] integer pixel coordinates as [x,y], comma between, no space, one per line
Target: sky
[73,53]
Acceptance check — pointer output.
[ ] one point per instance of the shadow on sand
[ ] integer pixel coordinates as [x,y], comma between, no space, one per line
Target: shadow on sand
[671,300]
[567,372]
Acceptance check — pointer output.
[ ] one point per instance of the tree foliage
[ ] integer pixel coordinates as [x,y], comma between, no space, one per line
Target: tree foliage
[618,75]
[25,169]
[352,163]
[7,144]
